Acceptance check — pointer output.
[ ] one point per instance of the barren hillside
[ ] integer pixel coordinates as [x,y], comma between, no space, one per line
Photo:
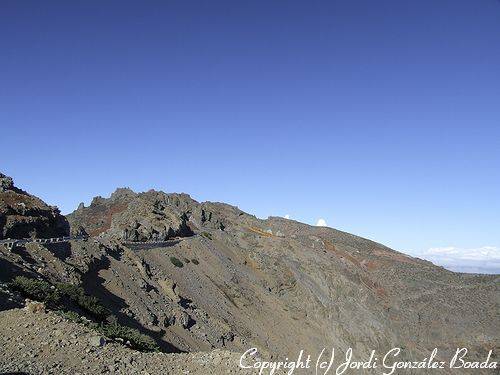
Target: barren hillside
[199,276]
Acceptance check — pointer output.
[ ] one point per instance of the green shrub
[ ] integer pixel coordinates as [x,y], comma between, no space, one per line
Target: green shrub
[207,235]
[195,261]
[55,296]
[38,290]
[71,316]
[62,295]
[137,339]
[89,304]
[176,262]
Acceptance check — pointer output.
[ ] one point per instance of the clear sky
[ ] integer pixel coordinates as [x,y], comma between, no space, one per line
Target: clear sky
[380,117]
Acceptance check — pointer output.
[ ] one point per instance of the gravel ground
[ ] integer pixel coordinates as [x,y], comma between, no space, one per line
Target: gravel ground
[45,343]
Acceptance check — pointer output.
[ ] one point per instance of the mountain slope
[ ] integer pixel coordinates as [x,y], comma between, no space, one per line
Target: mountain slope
[267,278]
[197,276]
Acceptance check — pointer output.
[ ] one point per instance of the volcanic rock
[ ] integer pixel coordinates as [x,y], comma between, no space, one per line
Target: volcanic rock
[23,215]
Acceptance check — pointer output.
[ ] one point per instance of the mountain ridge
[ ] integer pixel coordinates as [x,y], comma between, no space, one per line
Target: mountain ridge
[222,278]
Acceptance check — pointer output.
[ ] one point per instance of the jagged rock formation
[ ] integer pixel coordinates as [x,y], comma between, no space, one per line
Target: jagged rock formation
[149,216]
[6,183]
[227,279]
[22,215]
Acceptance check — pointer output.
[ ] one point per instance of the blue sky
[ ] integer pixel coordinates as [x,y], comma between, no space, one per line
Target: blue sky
[382,118]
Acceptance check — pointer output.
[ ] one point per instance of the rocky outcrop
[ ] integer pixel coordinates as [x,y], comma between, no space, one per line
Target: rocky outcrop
[97,218]
[23,215]
[6,183]
[149,216]
[127,216]
[152,216]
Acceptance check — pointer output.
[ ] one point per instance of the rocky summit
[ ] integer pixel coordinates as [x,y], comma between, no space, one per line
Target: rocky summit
[23,215]
[204,282]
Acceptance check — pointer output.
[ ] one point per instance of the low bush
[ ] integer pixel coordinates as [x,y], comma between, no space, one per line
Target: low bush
[89,304]
[56,296]
[207,235]
[37,290]
[176,262]
[63,296]
[71,316]
[137,340]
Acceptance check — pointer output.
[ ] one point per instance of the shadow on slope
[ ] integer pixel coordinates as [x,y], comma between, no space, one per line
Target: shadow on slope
[93,284]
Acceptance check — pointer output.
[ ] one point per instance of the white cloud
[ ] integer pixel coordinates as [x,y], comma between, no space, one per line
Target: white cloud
[287,216]
[485,259]
[321,223]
